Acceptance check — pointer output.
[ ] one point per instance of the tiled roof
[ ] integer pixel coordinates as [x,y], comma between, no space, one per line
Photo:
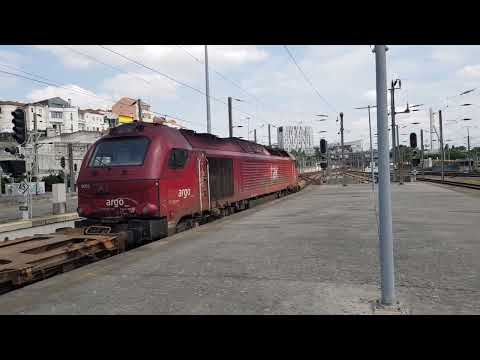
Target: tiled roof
[14,103]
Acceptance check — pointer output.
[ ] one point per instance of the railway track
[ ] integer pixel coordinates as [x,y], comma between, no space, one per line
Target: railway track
[452,183]
[364,177]
[313,178]
[367,177]
[451,174]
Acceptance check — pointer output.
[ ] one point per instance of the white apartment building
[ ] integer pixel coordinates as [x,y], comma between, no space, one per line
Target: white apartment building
[298,138]
[91,120]
[54,116]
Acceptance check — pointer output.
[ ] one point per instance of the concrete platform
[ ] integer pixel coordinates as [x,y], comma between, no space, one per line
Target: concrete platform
[314,252]
[40,225]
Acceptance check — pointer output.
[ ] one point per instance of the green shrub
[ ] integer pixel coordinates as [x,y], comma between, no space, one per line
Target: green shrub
[52,179]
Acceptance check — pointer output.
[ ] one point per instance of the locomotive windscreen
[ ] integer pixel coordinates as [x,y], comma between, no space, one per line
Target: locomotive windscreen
[221,177]
[120,152]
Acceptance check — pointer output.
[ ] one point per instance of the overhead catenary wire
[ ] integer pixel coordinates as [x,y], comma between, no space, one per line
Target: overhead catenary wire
[155,71]
[49,82]
[179,82]
[307,79]
[219,73]
[259,101]
[90,57]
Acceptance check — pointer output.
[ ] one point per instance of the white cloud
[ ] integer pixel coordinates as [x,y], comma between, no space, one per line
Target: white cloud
[162,56]
[69,58]
[470,71]
[9,62]
[11,57]
[371,95]
[79,96]
[450,54]
[130,84]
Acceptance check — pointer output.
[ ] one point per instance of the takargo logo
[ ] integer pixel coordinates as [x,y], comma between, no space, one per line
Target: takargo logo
[184,193]
[274,173]
[115,202]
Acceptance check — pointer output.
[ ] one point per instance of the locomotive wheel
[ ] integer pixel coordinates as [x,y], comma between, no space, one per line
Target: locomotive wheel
[184,225]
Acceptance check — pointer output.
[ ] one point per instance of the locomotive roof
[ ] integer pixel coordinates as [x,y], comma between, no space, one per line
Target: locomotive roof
[210,141]
[206,140]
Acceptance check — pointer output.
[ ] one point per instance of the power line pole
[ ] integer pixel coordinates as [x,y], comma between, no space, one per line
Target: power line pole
[140,115]
[343,157]
[468,150]
[441,140]
[393,128]
[423,160]
[431,128]
[399,162]
[384,191]
[207,92]
[371,143]
[35,150]
[371,149]
[269,136]
[230,121]
[70,167]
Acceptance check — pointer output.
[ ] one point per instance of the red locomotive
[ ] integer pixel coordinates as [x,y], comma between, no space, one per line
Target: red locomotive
[151,180]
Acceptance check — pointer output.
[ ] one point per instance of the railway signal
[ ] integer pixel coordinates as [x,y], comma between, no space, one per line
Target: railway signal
[12,150]
[19,128]
[413,140]
[323,146]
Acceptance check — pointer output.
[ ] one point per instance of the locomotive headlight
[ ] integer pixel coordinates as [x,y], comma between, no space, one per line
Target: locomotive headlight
[149,209]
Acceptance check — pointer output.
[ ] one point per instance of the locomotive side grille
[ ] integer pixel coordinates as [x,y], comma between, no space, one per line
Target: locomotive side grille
[221,177]
[258,175]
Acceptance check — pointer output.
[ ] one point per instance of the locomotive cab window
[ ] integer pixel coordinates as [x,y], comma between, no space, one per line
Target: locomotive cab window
[120,152]
[178,158]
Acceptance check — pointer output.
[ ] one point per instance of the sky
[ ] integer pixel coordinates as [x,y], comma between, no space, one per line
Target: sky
[273,91]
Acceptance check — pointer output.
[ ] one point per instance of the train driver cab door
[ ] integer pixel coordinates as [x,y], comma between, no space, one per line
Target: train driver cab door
[203,182]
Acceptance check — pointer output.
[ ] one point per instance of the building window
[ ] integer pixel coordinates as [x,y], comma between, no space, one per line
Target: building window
[56,114]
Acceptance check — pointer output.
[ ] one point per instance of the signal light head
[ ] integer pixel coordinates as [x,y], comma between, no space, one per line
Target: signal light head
[323,146]
[19,126]
[413,140]
[12,150]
